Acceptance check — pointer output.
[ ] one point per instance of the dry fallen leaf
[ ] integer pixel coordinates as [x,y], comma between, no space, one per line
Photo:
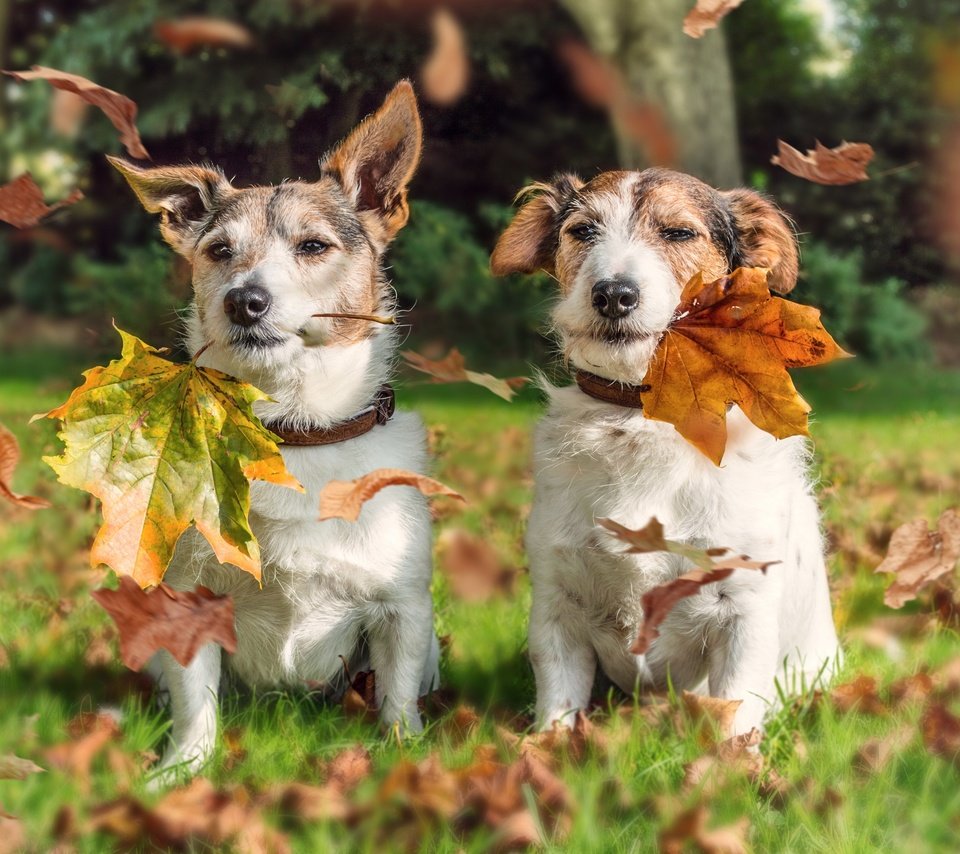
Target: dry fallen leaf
[941,732]
[659,602]
[690,826]
[178,621]
[446,73]
[165,446]
[706,16]
[13,835]
[452,369]
[600,84]
[90,734]
[859,695]
[876,753]
[473,568]
[22,205]
[344,499]
[121,111]
[15,768]
[845,164]
[349,768]
[360,699]
[187,34]
[712,771]
[574,743]
[713,717]
[918,556]
[9,457]
[731,342]
[67,112]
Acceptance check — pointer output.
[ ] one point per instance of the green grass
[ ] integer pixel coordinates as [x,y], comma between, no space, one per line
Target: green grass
[887,447]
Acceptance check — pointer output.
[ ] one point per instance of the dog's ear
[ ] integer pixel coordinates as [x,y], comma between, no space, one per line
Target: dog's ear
[764,238]
[186,197]
[376,161]
[530,241]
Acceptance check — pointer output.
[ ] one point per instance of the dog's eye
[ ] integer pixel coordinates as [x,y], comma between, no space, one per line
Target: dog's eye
[677,235]
[220,251]
[583,233]
[312,247]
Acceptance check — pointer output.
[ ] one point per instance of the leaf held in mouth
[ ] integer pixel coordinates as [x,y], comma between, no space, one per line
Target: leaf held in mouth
[166,446]
[731,342]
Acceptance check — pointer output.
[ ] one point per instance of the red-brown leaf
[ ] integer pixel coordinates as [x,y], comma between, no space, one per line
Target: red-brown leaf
[9,457]
[178,621]
[121,111]
[941,732]
[187,34]
[706,15]
[845,164]
[22,205]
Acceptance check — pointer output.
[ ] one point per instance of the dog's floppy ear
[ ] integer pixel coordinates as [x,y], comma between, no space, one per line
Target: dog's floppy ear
[376,161]
[530,241]
[186,197]
[764,238]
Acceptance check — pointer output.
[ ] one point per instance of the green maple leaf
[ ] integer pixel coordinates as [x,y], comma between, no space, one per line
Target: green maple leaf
[166,446]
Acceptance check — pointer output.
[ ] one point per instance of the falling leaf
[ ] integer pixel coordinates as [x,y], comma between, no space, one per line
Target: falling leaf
[9,457]
[121,111]
[706,16]
[164,446]
[15,768]
[187,34]
[941,732]
[446,73]
[859,695]
[67,112]
[845,164]
[22,205]
[452,369]
[180,622]
[344,499]
[731,342]
[658,602]
[918,556]
[600,84]
[473,568]
[13,835]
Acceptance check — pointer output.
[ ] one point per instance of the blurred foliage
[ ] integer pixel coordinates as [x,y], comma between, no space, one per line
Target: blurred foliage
[871,318]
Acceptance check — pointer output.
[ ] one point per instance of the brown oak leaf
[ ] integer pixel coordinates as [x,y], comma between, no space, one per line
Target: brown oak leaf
[121,111]
[184,35]
[918,556]
[178,621]
[344,499]
[22,204]
[446,73]
[706,15]
[845,164]
[452,368]
[731,342]
[9,457]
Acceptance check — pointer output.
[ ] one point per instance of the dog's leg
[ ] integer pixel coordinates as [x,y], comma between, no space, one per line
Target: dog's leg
[564,661]
[400,636]
[430,680]
[193,706]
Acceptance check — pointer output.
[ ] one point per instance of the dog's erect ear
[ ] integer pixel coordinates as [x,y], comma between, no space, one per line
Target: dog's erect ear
[376,161]
[530,241]
[765,238]
[184,196]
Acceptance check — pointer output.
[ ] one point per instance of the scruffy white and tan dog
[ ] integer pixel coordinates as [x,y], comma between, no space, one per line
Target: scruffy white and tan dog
[621,247]
[265,259]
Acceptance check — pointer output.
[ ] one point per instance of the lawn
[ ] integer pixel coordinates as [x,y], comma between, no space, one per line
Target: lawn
[887,451]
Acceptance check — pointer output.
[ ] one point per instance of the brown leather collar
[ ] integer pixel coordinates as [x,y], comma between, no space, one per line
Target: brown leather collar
[611,391]
[379,411]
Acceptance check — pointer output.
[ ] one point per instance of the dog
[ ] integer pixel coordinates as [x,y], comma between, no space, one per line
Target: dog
[264,261]
[621,247]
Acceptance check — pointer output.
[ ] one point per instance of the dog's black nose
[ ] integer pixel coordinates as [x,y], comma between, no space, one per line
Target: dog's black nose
[615,298]
[246,305]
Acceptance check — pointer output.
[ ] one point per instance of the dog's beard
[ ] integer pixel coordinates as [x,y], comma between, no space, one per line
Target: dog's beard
[261,337]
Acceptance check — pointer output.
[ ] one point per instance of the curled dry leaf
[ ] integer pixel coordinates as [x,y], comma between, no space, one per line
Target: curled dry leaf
[15,768]
[22,205]
[452,369]
[9,457]
[164,447]
[473,568]
[736,755]
[344,499]
[918,556]
[600,84]
[121,111]
[706,16]
[184,35]
[561,741]
[446,73]
[67,112]
[180,622]
[713,565]
[845,164]
[731,342]
[360,699]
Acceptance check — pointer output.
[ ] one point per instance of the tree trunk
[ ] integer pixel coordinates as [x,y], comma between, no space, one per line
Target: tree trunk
[688,79]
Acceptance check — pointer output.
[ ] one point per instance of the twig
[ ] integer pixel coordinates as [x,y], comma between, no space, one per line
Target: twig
[373,318]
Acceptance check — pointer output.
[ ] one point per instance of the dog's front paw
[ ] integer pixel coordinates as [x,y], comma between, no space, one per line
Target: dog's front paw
[177,766]
[405,722]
